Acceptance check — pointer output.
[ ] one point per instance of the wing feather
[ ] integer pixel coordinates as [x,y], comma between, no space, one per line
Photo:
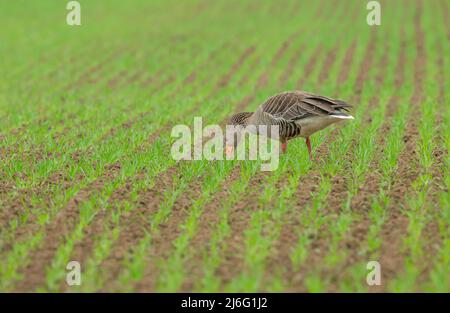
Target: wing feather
[297,105]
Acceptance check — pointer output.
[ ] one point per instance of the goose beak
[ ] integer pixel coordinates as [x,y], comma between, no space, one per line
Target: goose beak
[229,150]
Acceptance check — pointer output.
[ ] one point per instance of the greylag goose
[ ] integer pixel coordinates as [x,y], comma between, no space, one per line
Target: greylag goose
[297,113]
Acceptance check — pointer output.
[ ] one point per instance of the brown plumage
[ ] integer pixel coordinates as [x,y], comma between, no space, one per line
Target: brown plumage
[297,113]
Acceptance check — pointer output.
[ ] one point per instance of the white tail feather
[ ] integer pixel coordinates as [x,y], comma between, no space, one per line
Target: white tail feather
[345,117]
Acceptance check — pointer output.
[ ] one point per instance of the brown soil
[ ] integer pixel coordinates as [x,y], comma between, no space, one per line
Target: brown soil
[309,67]
[345,70]
[290,68]
[115,80]
[330,58]
[135,224]
[88,75]
[15,207]
[169,80]
[152,79]
[365,66]
[162,241]
[193,75]
[239,217]
[134,77]
[225,79]
[208,221]
[243,81]
[446,17]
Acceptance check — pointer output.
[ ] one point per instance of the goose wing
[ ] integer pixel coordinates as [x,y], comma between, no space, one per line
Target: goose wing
[297,105]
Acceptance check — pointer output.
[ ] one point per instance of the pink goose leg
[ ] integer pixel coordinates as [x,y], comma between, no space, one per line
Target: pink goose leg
[308,144]
[284,146]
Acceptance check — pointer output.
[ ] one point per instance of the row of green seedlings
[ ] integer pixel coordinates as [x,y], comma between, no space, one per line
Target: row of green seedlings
[440,270]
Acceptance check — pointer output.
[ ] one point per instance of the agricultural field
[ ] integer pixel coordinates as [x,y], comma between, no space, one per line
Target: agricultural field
[86,172]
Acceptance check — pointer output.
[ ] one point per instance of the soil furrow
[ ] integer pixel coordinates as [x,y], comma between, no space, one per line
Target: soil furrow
[225,79]
[87,75]
[309,67]
[330,58]
[291,65]
[346,64]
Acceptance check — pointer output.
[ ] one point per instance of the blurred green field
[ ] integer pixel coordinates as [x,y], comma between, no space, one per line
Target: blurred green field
[86,173]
